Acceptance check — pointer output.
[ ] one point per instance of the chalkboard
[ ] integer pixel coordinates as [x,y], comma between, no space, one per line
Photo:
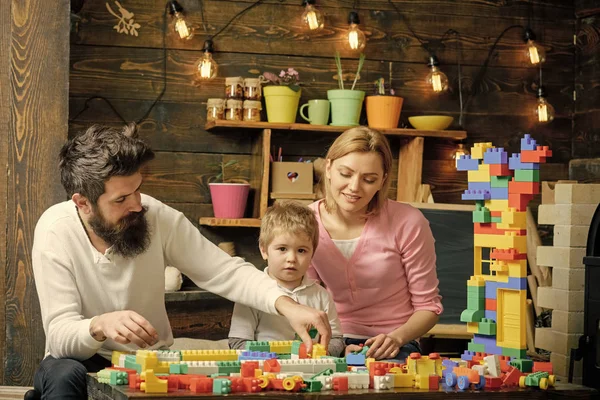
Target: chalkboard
[453,233]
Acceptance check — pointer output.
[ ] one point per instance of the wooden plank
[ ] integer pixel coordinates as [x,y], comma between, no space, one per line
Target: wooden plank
[102,71]
[241,222]
[410,170]
[449,331]
[587,43]
[5,101]
[542,273]
[530,326]
[533,287]
[39,81]
[585,170]
[261,172]
[586,133]
[223,125]
[585,8]
[303,196]
[171,126]
[184,177]
[273,27]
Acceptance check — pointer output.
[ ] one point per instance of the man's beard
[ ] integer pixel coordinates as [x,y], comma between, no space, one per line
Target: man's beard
[129,237]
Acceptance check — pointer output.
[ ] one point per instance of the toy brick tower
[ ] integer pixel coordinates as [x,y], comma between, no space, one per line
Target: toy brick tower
[497,292]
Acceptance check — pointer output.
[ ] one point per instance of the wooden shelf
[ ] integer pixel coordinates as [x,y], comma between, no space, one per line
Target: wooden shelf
[223,125]
[296,196]
[241,222]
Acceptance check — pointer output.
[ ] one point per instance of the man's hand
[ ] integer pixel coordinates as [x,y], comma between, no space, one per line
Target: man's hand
[383,346]
[302,318]
[124,327]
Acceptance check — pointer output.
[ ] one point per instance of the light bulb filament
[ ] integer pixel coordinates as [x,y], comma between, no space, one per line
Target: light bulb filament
[182,28]
[311,19]
[353,39]
[534,56]
[436,82]
[542,113]
[205,69]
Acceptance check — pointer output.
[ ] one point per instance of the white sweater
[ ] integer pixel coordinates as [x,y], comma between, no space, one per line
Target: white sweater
[75,282]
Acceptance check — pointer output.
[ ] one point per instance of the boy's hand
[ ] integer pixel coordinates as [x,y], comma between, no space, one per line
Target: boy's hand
[352,348]
[124,327]
[382,346]
[302,318]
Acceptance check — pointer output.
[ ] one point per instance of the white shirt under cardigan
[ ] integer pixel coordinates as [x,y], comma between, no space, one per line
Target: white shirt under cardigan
[75,282]
[250,324]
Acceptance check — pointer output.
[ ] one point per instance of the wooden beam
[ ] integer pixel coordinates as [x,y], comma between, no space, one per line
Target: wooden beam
[39,84]
[410,169]
[533,288]
[5,101]
[542,274]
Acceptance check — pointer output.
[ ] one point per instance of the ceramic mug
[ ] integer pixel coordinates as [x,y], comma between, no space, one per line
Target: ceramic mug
[318,111]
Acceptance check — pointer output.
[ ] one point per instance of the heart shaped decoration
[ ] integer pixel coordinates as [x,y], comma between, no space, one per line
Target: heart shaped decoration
[293,176]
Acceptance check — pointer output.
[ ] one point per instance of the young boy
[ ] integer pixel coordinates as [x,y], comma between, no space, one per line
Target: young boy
[289,234]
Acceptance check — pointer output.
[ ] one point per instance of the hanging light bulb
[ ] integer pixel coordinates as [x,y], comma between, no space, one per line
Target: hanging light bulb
[436,78]
[356,38]
[206,67]
[543,110]
[460,151]
[183,29]
[311,17]
[534,52]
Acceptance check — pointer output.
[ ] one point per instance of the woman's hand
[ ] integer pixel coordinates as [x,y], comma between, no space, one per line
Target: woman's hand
[383,346]
[352,347]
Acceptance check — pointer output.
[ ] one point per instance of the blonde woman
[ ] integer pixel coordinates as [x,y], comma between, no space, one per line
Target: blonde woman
[375,256]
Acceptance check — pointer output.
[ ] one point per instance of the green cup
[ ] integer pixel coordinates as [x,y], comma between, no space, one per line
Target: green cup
[318,111]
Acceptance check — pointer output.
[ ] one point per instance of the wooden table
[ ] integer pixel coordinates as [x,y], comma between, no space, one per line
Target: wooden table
[102,391]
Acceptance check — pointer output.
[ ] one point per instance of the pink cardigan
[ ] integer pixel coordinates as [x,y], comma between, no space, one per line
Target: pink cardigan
[390,275]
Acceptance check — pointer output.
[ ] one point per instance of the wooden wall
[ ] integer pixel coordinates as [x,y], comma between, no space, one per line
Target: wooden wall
[128,70]
[33,125]
[586,127]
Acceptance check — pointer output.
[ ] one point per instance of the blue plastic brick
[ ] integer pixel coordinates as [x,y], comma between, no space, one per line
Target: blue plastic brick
[476,195]
[527,143]
[499,193]
[466,163]
[480,186]
[490,314]
[490,290]
[495,155]
[514,162]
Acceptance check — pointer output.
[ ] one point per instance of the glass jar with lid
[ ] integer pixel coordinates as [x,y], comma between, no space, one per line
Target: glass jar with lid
[215,109]
[252,89]
[234,87]
[252,110]
[233,110]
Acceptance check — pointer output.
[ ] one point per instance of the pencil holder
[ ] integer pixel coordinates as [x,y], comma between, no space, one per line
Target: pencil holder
[291,177]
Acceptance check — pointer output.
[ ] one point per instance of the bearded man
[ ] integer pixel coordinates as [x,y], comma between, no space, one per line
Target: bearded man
[99,261]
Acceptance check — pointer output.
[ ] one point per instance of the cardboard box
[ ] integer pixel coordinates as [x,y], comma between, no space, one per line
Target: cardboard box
[291,177]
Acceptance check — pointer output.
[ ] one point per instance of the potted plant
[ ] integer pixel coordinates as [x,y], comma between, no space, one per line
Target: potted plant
[383,110]
[346,104]
[282,95]
[229,197]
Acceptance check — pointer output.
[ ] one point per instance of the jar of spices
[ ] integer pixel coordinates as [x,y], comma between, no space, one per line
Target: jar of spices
[233,110]
[252,89]
[234,87]
[215,109]
[252,110]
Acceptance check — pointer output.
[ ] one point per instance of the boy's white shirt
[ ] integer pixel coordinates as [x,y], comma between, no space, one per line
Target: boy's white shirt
[251,324]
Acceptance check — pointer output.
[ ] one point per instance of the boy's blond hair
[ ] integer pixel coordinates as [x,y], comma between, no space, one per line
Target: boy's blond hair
[362,140]
[288,217]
